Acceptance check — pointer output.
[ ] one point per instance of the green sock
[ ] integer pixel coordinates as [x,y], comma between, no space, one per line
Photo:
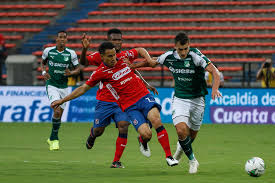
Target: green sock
[55,128]
[187,148]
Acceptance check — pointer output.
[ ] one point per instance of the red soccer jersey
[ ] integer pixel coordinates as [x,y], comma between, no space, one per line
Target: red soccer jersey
[103,93]
[125,86]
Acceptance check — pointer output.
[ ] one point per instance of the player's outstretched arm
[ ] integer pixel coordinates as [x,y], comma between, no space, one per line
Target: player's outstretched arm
[76,93]
[85,45]
[151,62]
[216,83]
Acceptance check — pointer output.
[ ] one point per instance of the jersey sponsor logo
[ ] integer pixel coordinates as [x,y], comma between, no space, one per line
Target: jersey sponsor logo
[59,72]
[184,79]
[126,80]
[182,71]
[51,63]
[65,54]
[113,91]
[119,74]
[53,53]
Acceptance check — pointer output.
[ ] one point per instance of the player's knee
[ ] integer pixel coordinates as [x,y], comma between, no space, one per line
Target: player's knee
[58,112]
[146,136]
[98,131]
[123,127]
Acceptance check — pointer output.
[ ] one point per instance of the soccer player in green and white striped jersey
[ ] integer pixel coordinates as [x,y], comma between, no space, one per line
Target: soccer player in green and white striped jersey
[58,59]
[188,67]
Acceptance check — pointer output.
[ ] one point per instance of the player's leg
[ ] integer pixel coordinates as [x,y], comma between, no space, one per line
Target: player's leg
[140,124]
[162,135]
[122,121]
[56,94]
[151,110]
[103,114]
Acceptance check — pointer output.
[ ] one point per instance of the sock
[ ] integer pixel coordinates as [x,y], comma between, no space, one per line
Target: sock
[120,146]
[187,148]
[164,140]
[144,142]
[55,128]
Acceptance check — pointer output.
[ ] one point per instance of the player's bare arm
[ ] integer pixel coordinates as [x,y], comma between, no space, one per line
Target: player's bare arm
[76,93]
[216,83]
[45,75]
[85,45]
[73,72]
[148,86]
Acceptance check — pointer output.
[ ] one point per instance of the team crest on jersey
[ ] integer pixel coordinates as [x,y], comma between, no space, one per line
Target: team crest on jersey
[135,122]
[97,121]
[66,59]
[186,63]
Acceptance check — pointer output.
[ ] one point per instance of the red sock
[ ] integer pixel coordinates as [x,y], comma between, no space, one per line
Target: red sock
[140,139]
[120,146]
[164,141]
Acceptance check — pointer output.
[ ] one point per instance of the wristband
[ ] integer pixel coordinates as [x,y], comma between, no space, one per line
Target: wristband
[44,72]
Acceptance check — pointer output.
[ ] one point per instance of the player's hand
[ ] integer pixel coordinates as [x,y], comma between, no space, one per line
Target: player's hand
[46,76]
[153,89]
[216,94]
[56,103]
[85,41]
[67,72]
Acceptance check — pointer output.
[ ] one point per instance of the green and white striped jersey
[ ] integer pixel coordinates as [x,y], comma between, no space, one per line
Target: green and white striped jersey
[58,62]
[188,73]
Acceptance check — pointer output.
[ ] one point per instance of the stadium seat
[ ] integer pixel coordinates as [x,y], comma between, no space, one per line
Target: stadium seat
[6,22]
[165,20]
[20,29]
[15,37]
[195,3]
[177,12]
[27,14]
[176,28]
[33,6]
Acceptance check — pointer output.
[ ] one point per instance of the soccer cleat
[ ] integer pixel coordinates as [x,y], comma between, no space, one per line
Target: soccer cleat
[178,152]
[90,142]
[144,148]
[54,144]
[171,161]
[193,166]
[117,164]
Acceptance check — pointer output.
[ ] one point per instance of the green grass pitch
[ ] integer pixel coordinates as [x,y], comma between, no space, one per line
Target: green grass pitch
[221,150]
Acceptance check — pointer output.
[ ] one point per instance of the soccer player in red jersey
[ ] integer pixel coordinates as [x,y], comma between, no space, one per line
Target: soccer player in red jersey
[133,96]
[107,107]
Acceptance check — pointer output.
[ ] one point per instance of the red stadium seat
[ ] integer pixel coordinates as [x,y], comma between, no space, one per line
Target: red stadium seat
[27,14]
[177,12]
[182,28]
[3,22]
[15,37]
[215,36]
[20,29]
[184,4]
[33,6]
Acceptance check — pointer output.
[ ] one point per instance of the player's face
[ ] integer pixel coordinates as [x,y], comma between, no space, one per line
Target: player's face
[116,39]
[109,57]
[61,39]
[182,49]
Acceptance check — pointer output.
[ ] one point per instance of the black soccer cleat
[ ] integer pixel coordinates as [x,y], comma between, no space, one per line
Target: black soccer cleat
[90,142]
[117,164]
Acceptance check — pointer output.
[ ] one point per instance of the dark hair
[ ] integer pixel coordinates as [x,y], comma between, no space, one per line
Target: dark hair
[182,38]
[113,31]
[104,46]
[62,31]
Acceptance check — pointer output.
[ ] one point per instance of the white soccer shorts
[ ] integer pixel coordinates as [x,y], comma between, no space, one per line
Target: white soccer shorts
[189,111]
[55,93]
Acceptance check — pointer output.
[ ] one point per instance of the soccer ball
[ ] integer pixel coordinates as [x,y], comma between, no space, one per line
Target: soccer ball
[255,167]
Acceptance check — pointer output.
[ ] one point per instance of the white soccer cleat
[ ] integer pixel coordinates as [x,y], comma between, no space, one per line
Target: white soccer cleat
[171,161]
[178,152]
[144,150]
[193,166]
